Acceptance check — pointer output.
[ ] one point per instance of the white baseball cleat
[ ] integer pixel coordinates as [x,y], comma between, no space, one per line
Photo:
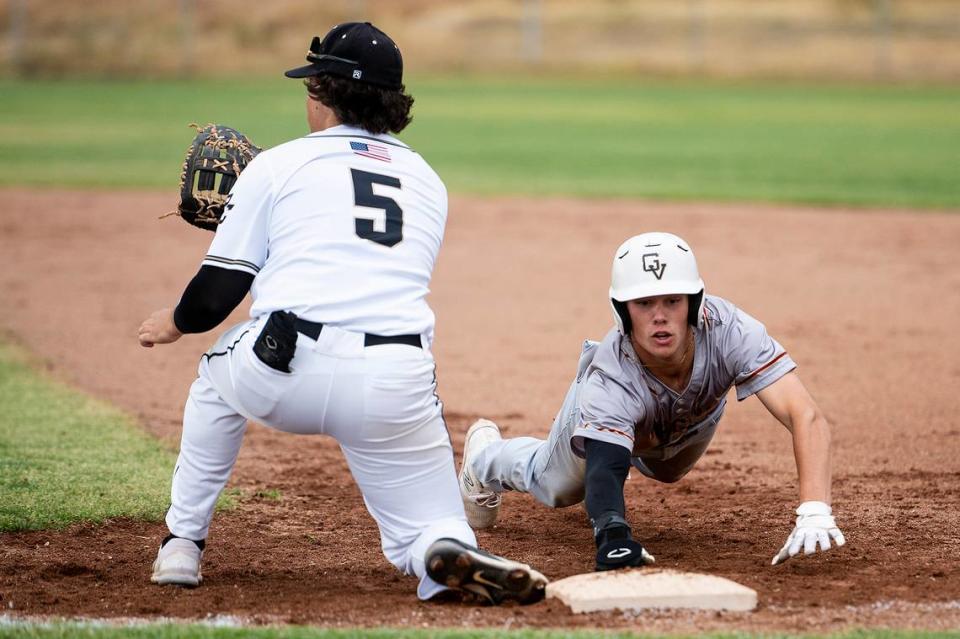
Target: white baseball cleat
[481,504]
[461,567]
[178,564]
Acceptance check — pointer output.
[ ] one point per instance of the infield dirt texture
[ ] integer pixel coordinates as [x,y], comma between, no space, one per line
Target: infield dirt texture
[865,301]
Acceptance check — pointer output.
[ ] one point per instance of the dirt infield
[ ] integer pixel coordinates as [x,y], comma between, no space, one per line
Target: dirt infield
[866,302]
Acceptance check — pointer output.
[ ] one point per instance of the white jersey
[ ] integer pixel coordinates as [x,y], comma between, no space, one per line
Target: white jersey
[341,227]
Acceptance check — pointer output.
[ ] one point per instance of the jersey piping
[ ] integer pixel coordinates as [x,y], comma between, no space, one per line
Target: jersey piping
[229,348]
[606,430]
[234,262]
[763,368]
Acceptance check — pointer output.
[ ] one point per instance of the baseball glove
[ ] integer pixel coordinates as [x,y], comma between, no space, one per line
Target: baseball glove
[215,158]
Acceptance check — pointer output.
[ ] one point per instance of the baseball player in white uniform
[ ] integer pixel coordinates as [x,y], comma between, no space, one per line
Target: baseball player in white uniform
[650,396]
[335,236]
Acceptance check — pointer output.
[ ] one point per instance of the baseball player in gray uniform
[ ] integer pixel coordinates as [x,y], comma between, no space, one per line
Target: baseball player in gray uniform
[335,236]
[650,396]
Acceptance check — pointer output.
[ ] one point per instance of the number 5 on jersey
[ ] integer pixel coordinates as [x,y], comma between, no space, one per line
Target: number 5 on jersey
[363,195]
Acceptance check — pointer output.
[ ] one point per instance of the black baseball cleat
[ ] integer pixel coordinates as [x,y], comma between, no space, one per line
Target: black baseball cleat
[495,579]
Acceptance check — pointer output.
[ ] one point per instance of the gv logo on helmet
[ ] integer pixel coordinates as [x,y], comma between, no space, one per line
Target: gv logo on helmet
[652,264]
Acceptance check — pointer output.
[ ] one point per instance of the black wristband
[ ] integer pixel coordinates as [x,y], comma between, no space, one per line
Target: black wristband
[610,528]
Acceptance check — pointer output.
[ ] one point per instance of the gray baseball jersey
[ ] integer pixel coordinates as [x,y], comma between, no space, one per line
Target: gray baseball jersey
[621,402]
[615,399]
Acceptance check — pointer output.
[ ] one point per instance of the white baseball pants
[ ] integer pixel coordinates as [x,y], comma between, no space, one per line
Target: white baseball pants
[378,402]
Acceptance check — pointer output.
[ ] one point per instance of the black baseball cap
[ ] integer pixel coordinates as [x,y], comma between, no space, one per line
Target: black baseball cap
[356,51]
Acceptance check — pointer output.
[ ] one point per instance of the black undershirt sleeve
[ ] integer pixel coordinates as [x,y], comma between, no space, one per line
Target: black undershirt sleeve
[607,468]
[209,297]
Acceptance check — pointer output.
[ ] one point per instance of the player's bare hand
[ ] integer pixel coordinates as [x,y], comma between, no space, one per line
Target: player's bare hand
[158,329]
[815,526]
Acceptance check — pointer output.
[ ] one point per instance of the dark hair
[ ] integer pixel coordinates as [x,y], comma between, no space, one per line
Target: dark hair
[369,107]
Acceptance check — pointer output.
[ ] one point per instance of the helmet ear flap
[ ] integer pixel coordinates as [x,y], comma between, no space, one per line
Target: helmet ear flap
[620,308]
[693,309]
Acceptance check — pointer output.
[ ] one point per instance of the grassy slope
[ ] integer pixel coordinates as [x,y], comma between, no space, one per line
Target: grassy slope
[66,458]
[878,146]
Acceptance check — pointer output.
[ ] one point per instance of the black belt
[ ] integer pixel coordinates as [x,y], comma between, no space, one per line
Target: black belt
[312,330]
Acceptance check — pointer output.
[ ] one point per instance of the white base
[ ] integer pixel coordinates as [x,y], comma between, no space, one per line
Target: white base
[640,588]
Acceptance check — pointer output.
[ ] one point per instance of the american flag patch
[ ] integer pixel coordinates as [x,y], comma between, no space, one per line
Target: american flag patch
[375,151]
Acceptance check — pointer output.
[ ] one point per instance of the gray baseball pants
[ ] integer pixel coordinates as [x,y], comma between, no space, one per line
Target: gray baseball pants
[551,471]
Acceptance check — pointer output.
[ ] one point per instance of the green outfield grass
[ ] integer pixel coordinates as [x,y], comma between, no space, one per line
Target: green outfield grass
[65,458]
[861,146]
[172,631]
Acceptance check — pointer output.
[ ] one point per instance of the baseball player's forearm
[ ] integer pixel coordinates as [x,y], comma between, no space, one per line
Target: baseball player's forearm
[788,400]
[607,468]
[811,449]
[210,297]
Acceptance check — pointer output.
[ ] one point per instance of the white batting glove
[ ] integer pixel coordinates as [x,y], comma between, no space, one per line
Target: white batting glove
[815,525]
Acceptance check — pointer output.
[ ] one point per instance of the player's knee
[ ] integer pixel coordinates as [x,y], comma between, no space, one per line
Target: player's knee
[560,498]
[562,501]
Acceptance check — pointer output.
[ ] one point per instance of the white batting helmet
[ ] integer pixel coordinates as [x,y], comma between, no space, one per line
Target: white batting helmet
[654,264]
